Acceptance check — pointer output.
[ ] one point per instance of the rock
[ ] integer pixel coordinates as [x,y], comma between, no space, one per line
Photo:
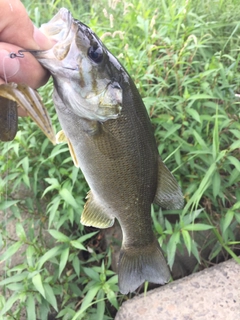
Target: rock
[209,294]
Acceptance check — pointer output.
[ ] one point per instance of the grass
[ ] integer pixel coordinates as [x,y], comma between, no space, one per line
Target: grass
[184,58]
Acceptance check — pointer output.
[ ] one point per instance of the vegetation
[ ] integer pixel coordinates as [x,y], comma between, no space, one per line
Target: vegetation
[184,58]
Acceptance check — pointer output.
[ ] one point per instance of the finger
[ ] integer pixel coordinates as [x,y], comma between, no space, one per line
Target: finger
[25,70]
[17,28]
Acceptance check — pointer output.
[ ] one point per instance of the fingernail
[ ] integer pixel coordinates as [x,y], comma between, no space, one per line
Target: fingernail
[8,67]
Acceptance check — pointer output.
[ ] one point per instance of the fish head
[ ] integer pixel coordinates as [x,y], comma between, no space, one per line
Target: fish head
[86,75]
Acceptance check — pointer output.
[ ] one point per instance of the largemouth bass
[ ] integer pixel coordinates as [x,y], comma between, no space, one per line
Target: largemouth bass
[111,139]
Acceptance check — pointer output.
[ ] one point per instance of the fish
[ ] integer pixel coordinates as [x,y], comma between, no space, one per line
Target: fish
[111,139]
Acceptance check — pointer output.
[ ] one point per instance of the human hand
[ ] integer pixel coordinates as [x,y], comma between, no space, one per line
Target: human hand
[18,32]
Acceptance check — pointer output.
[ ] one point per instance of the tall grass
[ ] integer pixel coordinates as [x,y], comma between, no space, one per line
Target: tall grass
[184,58]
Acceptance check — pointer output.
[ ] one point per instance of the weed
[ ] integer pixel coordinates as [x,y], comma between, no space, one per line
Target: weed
[184,58]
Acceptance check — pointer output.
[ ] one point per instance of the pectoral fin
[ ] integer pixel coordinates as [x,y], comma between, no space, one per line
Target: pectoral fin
[61,138]
[168,195]
[95,215]
[104,140]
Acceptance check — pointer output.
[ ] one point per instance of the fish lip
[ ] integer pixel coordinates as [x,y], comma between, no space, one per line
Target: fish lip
[64,15]
[59,30]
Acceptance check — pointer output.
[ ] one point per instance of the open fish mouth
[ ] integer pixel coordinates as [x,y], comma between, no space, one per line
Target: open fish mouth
[60,29]
[19,94]
[59,26]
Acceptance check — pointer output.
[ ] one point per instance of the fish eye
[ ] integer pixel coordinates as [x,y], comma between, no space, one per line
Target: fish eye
[95,53]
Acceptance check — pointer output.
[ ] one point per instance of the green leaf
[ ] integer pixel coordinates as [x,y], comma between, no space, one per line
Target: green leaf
[198,227]
[156,224]
[67,196]
[215,251]
[235,145]
[77,244]
[216,183]
[76,265]
[20,231]
[91,273]
[228,219]
[172,130]
[195,250]
[236,133]
[171,247]
[52,209]
[168,226]
[25,165]
[48,256]
[215,145]
[10,251]
[7,204]
[87,236]
[30,252]
[194,114]
[37,282]
[100,305]
[54,184]
[113,280]
[237,216]
[87,301]
[57,150]
[30,306]
[234,161]
[200,140]
[236,206]
[14,279]
[10,302]
[50,295]
[63,261]
[59,236]
[201,96]
[26,180]
[112,298]
[187,240]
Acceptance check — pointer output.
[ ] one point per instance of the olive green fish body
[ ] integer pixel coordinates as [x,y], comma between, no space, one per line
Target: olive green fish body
[111,139]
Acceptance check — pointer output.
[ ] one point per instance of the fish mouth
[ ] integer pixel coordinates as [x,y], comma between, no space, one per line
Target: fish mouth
[60,29]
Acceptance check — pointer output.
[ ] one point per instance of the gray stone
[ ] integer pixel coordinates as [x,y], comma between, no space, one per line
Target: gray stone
[213,293]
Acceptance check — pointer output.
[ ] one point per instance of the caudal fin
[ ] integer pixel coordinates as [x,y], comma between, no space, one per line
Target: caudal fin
[137,265]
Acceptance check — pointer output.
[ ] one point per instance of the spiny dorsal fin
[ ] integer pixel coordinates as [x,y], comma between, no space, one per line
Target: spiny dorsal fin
[168,194]
[95,215]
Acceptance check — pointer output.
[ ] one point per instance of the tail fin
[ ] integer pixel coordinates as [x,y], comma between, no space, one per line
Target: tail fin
[137,265]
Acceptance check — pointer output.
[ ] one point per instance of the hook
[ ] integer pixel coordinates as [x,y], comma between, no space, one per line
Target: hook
[20,54]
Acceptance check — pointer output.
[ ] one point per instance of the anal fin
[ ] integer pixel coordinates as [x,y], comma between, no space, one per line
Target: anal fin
[168,194]
[95,215]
